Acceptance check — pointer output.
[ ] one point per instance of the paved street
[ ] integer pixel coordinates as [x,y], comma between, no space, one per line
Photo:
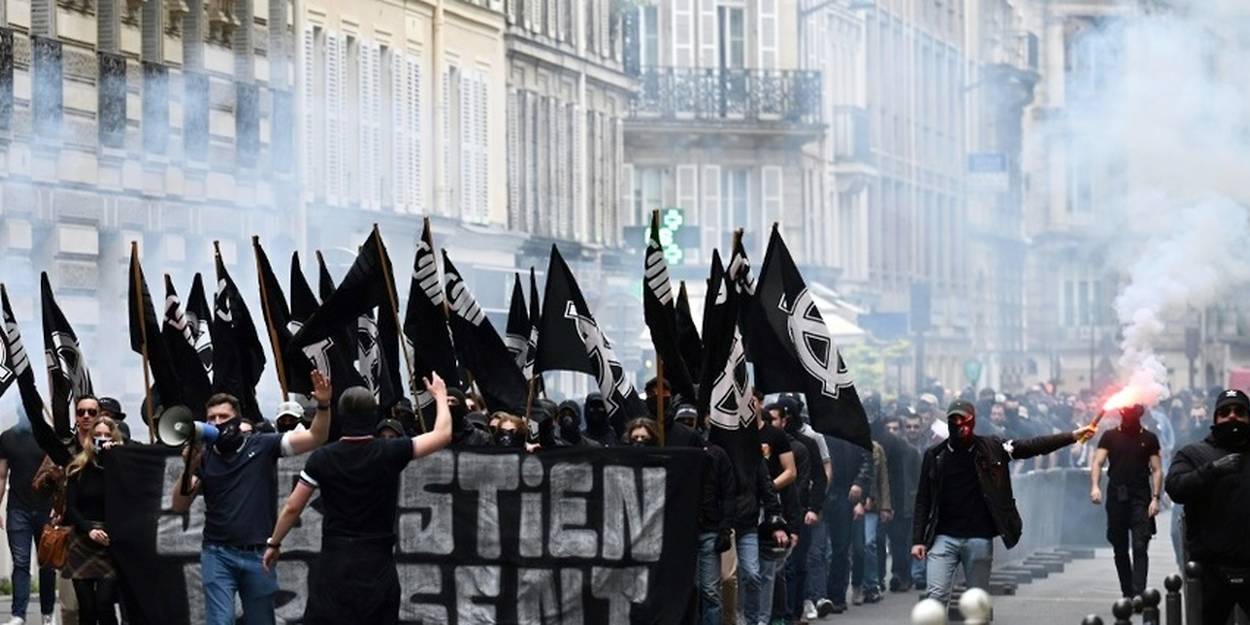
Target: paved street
[1085,586]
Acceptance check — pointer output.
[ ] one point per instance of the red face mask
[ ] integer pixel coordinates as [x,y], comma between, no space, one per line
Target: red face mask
[961,428]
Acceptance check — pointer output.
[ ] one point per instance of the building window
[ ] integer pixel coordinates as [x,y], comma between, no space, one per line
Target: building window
[648,192]
[1080,180]
[649,39]
[735,207]
[733,44]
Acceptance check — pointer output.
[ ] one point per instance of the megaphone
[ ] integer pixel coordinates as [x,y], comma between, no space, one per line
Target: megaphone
[176,427]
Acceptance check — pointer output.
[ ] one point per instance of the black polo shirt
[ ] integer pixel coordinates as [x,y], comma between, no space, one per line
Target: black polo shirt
[1129,454]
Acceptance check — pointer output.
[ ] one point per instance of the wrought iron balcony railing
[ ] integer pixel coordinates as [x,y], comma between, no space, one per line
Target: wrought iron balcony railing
[727,95]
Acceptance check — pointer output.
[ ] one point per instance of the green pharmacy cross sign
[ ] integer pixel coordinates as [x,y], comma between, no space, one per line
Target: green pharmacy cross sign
[671,221]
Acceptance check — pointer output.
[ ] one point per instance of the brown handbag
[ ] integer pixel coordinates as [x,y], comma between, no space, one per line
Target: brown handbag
[53,545]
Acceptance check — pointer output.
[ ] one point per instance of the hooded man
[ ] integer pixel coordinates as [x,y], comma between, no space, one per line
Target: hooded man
[1212,480]
[569,422]
[236,475]
[964,499]
[1136,480]
[463,432]
[598,427]
[354,579]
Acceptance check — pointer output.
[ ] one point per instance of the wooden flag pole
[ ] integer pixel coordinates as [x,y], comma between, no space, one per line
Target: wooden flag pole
[659,395]
[273,334]
[403,344]
[143,333]
[529,399]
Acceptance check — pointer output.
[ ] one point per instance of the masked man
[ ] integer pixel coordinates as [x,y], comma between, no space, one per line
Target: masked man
[237,475]
[964,499]
[1136,479]
[1212,480]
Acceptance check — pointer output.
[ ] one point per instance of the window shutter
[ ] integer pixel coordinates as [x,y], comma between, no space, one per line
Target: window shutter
[333,103]
[627,195]
[683,33]
[562,168]
[399,133]
[687,189]
[514,156]
[312,153]
[605,42]
[412,88]
[709,218]
[707,33]
[577,178]
[370,128]
[525,134]
[562,16]
[483,148]
[770,199]
[553,17]
[768,34]
[466,145]
[528,9]
[446,203]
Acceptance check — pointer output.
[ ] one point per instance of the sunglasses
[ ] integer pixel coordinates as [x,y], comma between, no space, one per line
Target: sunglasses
[87,412]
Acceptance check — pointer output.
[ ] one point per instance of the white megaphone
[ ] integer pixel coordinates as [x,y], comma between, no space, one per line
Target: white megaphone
[177,427]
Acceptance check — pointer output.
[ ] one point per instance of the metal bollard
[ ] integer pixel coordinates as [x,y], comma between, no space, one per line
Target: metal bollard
[1123,612]
[976,607]
[928,612]
[1193,592]
[1138,605]
[1173,584]
[1150,607]
[1092,619]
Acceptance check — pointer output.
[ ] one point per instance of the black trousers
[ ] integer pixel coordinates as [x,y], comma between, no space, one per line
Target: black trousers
[353,584]
[1129,525]
[900,549]
[1223,588]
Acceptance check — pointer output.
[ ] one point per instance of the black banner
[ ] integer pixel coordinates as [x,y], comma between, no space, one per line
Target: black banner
[563,537]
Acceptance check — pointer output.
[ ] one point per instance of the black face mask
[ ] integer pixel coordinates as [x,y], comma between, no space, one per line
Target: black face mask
[508,438]
[1232,434]
[230,438]
[570,429]
[642,443]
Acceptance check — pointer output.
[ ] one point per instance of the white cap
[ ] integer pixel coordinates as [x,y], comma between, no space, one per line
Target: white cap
[290,408]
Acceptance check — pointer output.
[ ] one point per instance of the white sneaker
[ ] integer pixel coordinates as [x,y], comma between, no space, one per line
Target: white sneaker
[17,620]
[809,610]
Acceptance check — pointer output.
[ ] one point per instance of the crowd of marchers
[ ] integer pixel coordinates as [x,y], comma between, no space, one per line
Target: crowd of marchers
[819,527]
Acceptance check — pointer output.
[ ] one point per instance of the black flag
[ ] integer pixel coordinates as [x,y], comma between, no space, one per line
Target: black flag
[688,335]
[145,336]
[794,320]
[362,290]
[773,363]
[569,339]
[325,281]
[52,432]
[480,349]
[199,319]
[277,317]
[303,302]
[238,358]
[425,322]
[520,328]
[657,308]
[67,369]
[392,381]
[724,387]
[180,342]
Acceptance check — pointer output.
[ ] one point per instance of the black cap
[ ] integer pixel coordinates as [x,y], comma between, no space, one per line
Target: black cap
[112,405]
[392,424]
[1232,397]
[962,407]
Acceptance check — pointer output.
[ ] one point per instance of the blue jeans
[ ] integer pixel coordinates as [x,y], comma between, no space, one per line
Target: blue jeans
[709,580]
[817,561]
[866,570]
[796,574]
[22,526]
[227,570]
[975,554]
[748,543]
[770,564]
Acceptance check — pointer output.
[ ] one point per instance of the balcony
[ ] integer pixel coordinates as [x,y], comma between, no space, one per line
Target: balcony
[786,99]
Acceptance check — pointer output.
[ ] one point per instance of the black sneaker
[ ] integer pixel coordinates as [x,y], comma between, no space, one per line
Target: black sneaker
[839,608]
[872,596]
[894,584]
[824,608]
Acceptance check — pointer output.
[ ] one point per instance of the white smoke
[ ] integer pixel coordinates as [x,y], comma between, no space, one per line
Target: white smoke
[1166,133]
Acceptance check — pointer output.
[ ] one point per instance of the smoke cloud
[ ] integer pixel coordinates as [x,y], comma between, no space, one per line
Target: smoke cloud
[1162,125]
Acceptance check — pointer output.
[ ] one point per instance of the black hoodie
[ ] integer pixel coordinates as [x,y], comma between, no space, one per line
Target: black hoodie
[598,427]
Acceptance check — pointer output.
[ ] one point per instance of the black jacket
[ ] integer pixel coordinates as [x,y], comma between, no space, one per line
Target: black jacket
[716,508]
[991,456]
[852,466]
[903,465]
[758,507]
[1217,508]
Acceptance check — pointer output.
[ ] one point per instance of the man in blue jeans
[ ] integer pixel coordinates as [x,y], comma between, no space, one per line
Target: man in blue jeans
[237,475]
[20,457]
[964,499]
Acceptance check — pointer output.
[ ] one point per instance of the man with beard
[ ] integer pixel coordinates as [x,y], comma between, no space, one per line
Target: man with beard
[1136,479]
[964,499]
[237,474]
[354,579]
[1212,480]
